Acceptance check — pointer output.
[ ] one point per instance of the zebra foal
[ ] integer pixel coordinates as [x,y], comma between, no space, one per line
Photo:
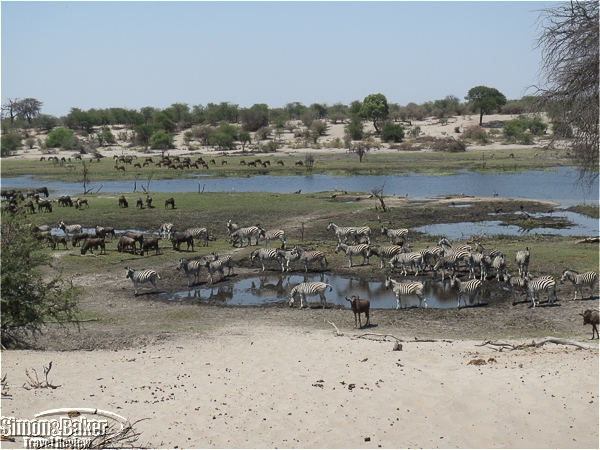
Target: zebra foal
[142,276]
[580,280]
[408,288]
[309,289]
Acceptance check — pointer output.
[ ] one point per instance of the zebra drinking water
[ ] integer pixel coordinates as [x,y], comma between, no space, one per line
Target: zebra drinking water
[269,254]
[309,289]
[142,276]
[580,280]
[408,288]
[308,256]
[522,259]
[398,233]
[467,288]
[354,250]
[190,268]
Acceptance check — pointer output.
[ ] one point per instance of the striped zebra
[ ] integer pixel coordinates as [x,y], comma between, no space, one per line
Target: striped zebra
[522,259]
[191,268]
[142,276]
[226,261]
[446,247]
[581,279]
[499,263]
[409,288]
[514,283]
[289,257]
[273,234]
[478,260]
[245,233]
[308,256]
[491,252]
[166,230]
[214,267]
[385,252]
[397,233]
[413,259]
[266,253]
[309,289]
[231,227]
[467,288]
[430,255]
[537,285]
[354,250]
[72,229]
[342,232]
[199,233]
[445,263]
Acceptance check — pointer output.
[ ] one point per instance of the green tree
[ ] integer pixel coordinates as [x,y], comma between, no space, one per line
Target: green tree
[56,138]
[486,100]
[355,129]
[105,137]
[255,117]
[30,108]
[375,108]
[144,132]
[244,138]
[392,132]
[164,122]
[161,140]
[30,300]
[45,122]
[319,127]
[224,136]
[11,142]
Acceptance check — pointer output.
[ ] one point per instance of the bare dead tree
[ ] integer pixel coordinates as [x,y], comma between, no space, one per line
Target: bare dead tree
[85,179]
[568,87]
[378,193]
[147,188]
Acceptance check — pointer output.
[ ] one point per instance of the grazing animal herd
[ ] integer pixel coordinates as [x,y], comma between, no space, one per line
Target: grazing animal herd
[483,265]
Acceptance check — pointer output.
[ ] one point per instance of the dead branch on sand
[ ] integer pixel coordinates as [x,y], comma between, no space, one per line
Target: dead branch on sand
[546,340]
[337,331]
[36,383]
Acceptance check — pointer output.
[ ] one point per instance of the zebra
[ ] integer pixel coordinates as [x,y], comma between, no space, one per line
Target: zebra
[166,230]
[289,257]
[478,260]
[307,256]
[214,267]
[226,261]
[430,254]
[581,279]
[266,253]
[491,252]
[244,233]
[514,283]
[385,252]
[309,289]
[409,288]
[445,263]
[273,234]
[231,227]
[354,250]
[537,285]
[190,268]
[342,232]
[414,259]
[499,263]
[199,233]
[522,259]
[398,233]
[446,247]
[467,287]
[142,276]
[69,228]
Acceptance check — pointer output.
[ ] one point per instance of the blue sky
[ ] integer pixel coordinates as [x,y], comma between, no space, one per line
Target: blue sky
[136,54]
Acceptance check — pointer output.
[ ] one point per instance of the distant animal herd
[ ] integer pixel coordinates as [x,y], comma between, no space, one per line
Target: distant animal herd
[479,265]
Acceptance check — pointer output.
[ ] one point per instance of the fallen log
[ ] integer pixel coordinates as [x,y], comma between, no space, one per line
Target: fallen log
[589,240]
[546,340]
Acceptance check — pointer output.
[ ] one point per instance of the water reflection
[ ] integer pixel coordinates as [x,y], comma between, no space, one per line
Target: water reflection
[269,289]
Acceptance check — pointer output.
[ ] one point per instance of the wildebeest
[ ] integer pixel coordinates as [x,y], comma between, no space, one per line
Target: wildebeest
[65,200]
[80,202]
[79,237]
[45,205]
[178,237]
[123,202]
[591,317]
[359,305]
[148,201]
[43,190]
[139,203]
[54,240]
[170,201]
[104,231]
[125,243]
[93,243]
[137,237]
[149,244]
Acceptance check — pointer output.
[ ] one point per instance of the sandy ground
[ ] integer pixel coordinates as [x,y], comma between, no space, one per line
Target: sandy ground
[256,386]
[429,127]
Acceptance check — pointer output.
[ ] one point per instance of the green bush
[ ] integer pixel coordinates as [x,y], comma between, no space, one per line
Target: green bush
[319,127]
[515,131]
[355,129]
[57,137]
[161,140]
[392,132]
[562,130]
[537,126]
[11,142]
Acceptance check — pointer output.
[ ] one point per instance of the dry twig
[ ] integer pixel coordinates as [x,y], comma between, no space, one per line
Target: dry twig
[546,340]
[337,331]
[36,383]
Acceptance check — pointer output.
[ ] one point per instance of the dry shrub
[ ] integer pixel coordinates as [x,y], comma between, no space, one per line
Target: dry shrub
[476,133]
[449,144]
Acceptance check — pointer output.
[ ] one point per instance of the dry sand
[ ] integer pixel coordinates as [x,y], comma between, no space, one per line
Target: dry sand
[267,387]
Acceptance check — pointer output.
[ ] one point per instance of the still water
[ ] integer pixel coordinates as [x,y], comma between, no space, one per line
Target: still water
[555,185]
[275,288]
